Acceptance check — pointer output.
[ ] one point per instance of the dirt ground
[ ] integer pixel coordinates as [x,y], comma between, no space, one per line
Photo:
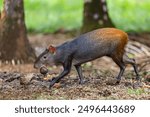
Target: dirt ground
[99,76]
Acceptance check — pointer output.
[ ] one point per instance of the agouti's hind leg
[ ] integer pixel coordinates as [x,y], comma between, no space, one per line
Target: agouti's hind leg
[121,65]
[128,60]
[79,70]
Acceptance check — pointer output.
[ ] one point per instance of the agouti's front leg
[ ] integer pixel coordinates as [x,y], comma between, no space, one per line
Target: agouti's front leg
[67,68]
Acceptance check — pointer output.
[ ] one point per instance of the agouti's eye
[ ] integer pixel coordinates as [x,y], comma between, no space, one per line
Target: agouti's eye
[44,57]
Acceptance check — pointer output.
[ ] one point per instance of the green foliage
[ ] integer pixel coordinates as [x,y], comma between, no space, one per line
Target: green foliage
[136,91]
[1,3]
[52,15]
[130,15]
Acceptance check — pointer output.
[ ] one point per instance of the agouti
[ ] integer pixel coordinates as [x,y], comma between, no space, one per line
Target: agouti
[109,42]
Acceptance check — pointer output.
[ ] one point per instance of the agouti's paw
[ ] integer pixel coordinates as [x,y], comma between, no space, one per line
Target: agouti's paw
[82,82]
[51,84]
[55,84]
[54,79]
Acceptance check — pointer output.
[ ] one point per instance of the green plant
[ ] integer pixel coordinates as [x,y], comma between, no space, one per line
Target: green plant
[136,91]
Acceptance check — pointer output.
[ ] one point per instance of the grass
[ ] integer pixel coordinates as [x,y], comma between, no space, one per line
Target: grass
[136,91]
[52,15]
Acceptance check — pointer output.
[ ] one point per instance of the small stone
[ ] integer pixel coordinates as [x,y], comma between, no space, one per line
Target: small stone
[111,82]
[26,79]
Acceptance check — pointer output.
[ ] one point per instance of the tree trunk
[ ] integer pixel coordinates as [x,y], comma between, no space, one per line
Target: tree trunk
[95,15]
[14,45]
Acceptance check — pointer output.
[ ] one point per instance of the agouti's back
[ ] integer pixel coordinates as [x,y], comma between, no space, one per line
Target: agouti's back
[102,42]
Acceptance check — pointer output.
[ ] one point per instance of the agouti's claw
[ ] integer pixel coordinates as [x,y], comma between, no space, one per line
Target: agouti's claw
[51,84]
[53,78]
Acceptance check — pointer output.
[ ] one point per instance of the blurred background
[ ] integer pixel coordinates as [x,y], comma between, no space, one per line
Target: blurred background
[49,16]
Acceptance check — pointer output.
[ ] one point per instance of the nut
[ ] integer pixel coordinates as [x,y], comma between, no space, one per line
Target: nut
[43,70]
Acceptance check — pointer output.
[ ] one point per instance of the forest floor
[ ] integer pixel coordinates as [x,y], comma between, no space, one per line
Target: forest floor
[99,76]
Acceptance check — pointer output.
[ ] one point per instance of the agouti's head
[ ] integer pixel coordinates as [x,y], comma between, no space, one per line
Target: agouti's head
[46,58]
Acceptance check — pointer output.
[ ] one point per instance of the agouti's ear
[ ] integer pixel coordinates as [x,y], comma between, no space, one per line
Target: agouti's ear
[52,49]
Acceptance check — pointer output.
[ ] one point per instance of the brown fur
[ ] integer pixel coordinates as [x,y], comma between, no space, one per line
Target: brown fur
[115,36]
